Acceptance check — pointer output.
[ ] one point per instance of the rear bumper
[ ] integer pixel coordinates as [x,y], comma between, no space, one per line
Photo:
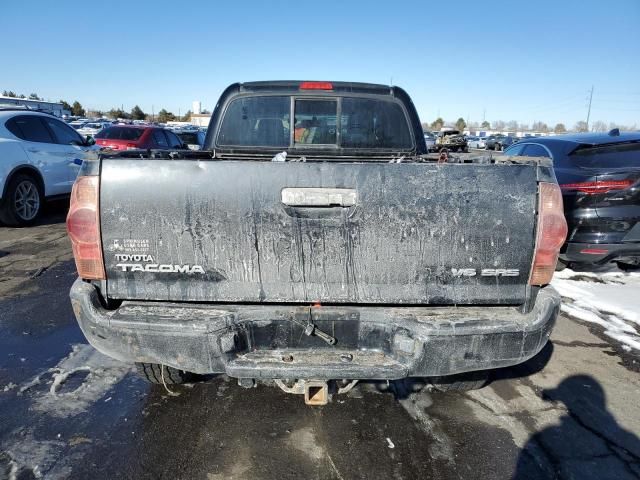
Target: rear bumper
[599,253]
[267,341]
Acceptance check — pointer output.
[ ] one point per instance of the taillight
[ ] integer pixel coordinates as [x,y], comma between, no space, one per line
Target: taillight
[594,251]
[600,186]
[83,225]
[316,86]
[551,233]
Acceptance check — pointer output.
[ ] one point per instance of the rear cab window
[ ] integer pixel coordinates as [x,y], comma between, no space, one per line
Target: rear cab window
[316,122]
[309,123]
[257,122]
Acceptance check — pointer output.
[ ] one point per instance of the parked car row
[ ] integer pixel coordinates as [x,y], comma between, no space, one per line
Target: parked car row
[492,142]
[599,175]
[40,155]
[454,141]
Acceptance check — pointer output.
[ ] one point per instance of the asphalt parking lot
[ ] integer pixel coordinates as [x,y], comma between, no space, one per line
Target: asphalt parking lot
[68,412]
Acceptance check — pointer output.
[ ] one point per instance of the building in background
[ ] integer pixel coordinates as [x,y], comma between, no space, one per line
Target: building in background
[200,119]
[49,107]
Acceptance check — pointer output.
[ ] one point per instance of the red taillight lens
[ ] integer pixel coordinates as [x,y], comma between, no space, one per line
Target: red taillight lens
[594,251]
[83,225]
[591,188]
[316,86]
[551,234]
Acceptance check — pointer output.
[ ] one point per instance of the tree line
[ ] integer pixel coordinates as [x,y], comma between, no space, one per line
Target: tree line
[136,113]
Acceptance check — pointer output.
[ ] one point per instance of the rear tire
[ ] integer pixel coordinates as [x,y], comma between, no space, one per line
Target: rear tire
[561,265]
[23,201]
[153,372]
[461,382]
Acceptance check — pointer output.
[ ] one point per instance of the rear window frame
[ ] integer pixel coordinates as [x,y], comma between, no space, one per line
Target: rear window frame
[330,149]
[584,155]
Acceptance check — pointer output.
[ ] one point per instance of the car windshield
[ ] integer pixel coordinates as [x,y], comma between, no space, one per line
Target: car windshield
[364,123]
[120,133]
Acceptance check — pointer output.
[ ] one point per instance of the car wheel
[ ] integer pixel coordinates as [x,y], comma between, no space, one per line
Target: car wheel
[153,372]
[460,383]
[23,201]
[498,147]
[561,265]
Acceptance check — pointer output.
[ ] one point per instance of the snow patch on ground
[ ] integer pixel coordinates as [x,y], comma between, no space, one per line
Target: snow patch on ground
[79,380]
[102,373]
[604,296]
[31,458]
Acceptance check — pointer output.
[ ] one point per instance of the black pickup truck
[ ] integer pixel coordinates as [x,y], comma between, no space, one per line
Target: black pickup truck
[313,243]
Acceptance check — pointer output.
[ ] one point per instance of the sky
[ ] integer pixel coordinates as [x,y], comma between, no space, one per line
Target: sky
[495,60]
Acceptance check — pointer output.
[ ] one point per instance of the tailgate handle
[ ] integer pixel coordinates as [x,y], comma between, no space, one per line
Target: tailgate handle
[319,197]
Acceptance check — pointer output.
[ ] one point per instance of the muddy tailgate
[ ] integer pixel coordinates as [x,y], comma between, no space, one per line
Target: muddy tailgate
[254,231]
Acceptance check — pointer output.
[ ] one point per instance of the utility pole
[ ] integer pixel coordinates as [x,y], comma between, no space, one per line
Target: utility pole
[589,110]
[484,115]
[153,116]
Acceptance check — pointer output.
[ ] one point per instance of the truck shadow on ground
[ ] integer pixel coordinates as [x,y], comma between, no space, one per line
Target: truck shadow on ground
[588,442]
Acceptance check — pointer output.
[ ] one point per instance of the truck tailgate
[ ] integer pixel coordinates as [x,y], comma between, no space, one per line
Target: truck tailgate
[331,232]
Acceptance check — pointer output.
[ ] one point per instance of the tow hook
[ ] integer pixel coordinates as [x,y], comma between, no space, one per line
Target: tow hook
[311,329]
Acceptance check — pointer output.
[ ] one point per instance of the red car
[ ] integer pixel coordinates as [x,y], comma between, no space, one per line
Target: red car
[129,137]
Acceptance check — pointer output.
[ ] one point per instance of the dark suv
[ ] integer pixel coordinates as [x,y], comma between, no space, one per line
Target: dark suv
[599,175]
[499,142]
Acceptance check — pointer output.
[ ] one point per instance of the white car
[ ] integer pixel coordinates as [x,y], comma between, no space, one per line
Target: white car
[476,142]
[92,128]
[430,141]
[40,157]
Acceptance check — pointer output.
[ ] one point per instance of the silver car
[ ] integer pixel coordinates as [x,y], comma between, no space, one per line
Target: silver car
[430,140]
[476,142]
